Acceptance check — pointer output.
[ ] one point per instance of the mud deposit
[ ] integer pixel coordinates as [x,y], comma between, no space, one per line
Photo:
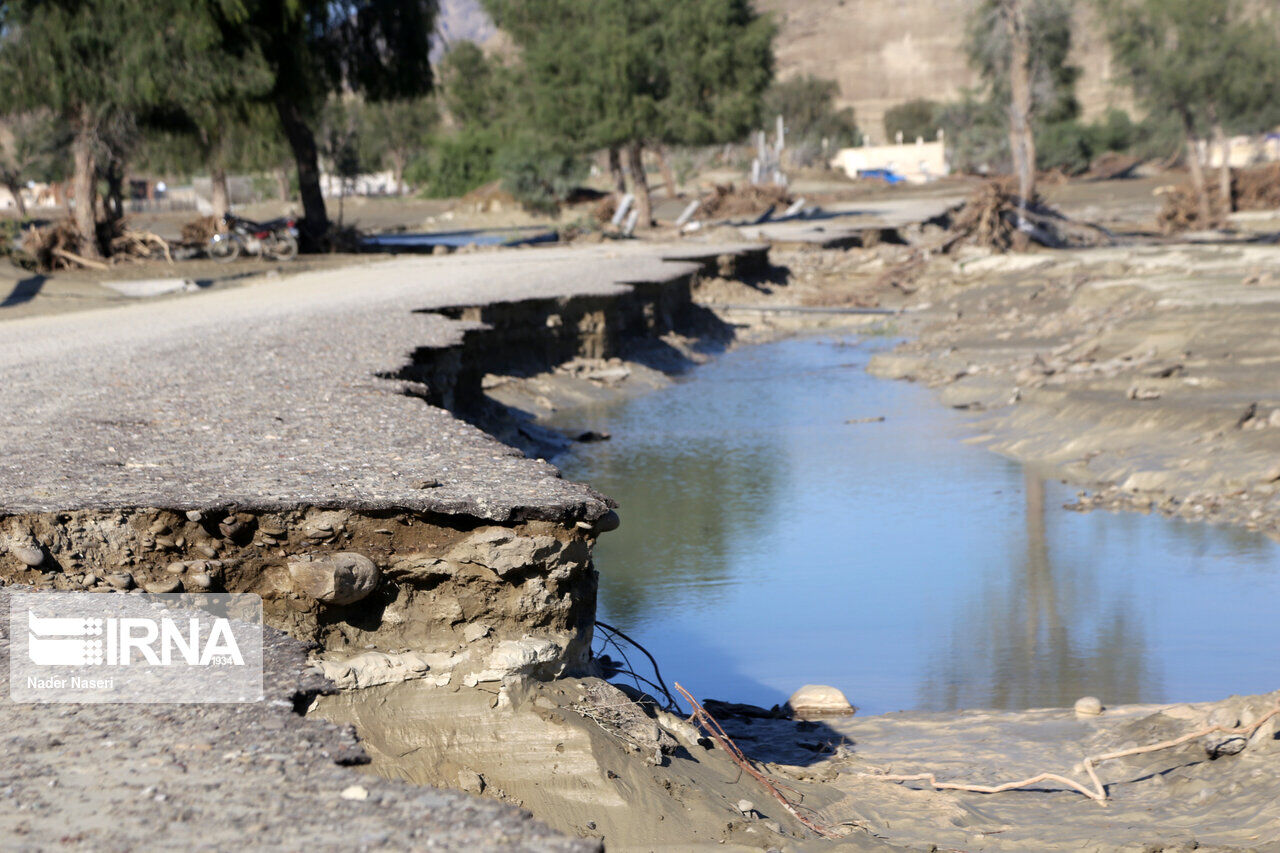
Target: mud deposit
[776,533]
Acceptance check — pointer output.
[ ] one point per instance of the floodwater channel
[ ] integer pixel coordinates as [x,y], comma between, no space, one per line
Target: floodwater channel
[767,542]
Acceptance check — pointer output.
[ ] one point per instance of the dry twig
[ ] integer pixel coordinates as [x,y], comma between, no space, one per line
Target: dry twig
[715,732]
[1099,791]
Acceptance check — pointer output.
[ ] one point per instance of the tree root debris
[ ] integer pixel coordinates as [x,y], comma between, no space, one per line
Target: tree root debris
[1098,793]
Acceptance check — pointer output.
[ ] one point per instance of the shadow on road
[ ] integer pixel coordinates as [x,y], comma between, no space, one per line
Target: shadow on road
[24,290]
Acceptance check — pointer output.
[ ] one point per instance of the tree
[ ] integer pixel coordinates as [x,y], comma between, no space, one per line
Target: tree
[807,107]
[1020,48]
[97,64]
[914,119]
[377,49]
[30,144]
[626,74]
[1206,62]
[393,132]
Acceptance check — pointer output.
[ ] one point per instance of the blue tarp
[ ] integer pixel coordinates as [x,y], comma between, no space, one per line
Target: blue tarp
[458,239]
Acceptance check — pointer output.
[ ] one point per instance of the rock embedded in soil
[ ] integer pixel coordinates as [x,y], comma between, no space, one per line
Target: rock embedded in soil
[819,700]
[341,578]
[30,555]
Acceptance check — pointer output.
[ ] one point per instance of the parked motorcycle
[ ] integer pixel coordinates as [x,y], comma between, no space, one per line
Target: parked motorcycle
[275,240]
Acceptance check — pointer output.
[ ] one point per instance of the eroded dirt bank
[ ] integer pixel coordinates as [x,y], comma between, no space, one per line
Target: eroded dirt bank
[1145,374]
[594,762]
[591,762]
[472,604]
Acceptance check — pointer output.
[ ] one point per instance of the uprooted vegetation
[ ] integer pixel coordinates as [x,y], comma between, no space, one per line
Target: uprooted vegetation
[1256,188]
[995,217]
[59,245]
[728,200]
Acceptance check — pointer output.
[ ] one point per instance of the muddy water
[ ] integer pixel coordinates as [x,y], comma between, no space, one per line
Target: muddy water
[767,543]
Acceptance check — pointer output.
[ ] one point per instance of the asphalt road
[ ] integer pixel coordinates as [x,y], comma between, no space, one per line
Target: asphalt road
[268,395]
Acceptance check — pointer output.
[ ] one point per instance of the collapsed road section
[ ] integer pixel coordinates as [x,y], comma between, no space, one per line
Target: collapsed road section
[275,440]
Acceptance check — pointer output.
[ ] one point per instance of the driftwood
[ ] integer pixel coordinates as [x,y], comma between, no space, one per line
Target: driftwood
[995,217]
[72,257]
[60,246]
[1098,793]
[709,725]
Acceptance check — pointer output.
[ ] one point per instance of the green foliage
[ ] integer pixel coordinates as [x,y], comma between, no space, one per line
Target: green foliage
[717,62]
[613,72]
[1067,146]
[807,107]
[538,174]
[477,89]
[915,119]
[977,134]
[1206,61]
[1049,31]
[32,145]
[455,165]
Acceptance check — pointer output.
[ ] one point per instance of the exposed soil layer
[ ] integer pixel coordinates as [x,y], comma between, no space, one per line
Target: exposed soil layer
[462,595]
[592,762]
[226,777]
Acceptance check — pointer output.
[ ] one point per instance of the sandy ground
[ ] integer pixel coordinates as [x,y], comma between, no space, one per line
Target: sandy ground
[1145,374]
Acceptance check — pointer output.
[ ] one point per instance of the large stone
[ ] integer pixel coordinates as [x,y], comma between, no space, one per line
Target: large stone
[341,578]
[819,700]
[503,550]
[1088,706]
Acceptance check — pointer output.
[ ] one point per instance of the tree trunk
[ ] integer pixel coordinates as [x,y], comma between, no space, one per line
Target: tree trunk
[19,204]
[84,185]
[615,169]
[282,183]
[219,193]
[668,176]
[1021,141]
[1197,171]
[640,185]
[398,161]
[315,220]
[1224,169]
[113,204]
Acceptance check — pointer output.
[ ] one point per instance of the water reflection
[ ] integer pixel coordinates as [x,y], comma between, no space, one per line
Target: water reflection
[1038,638]
[767,543]
[697,499]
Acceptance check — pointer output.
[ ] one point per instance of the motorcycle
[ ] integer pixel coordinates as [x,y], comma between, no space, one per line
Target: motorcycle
[275,240]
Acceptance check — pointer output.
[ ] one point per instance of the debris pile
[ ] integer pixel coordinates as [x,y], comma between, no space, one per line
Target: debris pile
[56,246]
[1180,210]
[725,201]
[994,218]
[1256,189]
[198,232]
[489,198]
[605,209]
[59,245]
[988,218]
[1112,165]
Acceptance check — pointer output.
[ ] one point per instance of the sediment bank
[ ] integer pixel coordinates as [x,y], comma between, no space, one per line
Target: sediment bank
[292,440]
[260,443]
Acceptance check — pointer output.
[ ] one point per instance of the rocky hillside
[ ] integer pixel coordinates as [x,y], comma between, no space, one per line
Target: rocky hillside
[883,52]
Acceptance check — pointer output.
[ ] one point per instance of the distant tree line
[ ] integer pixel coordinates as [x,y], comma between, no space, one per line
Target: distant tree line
[225,82]
[1200,71]
[101,87]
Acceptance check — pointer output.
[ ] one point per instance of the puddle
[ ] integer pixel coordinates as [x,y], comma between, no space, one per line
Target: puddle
[768,543]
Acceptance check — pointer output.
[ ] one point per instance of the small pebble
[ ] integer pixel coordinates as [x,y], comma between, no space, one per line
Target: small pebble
[120,580]
[355,792]
[1088,706]
[167,585]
